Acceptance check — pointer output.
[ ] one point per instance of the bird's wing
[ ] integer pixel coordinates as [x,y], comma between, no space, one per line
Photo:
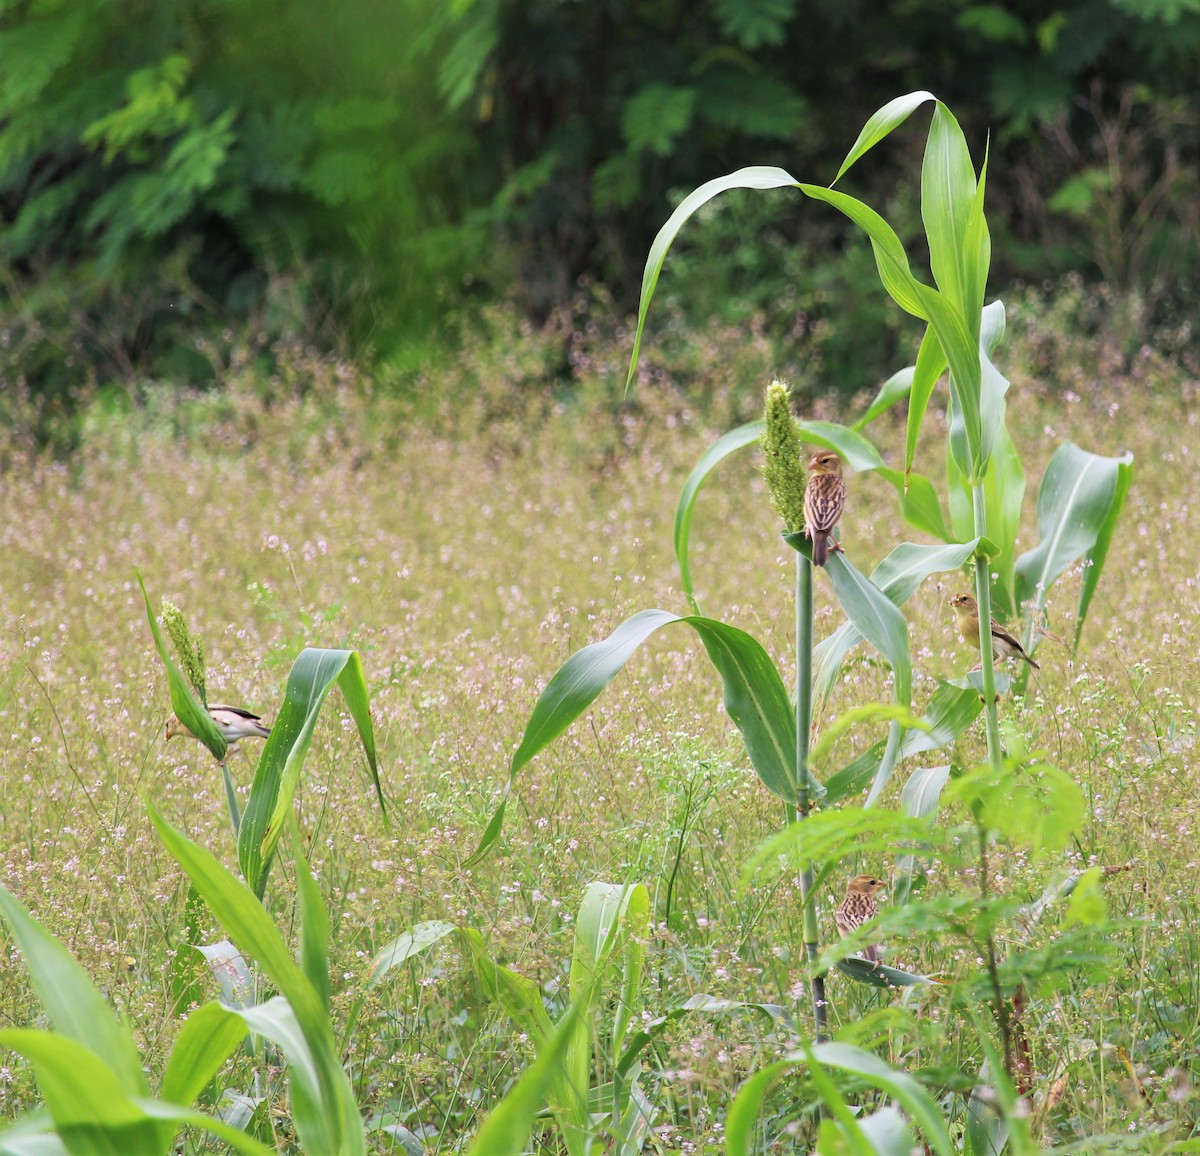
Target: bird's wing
[241,712]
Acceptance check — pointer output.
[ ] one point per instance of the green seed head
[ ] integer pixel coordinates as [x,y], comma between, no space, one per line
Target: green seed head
[189,649]
[782,466]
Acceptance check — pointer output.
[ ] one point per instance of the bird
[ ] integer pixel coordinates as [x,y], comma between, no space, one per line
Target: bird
[1004,644]
[824,500]
[859,907]
[233,722]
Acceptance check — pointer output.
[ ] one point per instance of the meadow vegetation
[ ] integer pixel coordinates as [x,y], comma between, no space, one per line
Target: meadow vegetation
[466,540]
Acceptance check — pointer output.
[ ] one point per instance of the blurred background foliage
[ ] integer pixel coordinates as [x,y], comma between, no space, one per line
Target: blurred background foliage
[177,176]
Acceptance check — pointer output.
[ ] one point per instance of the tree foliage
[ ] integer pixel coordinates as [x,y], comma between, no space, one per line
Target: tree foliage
[177,158]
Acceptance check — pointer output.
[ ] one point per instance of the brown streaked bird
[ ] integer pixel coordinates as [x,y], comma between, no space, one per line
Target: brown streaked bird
[1004,644]
[824,500]
[233,722]
[859,907]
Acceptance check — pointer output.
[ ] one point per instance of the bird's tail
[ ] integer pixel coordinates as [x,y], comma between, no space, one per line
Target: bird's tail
[871,953]
[820,548]
[1030,660]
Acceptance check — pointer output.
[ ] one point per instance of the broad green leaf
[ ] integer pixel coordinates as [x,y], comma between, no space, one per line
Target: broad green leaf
[947,195]
[415,940]
[755,177]
[919,799]
[854,777]
[923,791]
[915,1100]
[931,364]
[951,710]
[278,775]
[325,1113]
[612,920]
[755,698]
[1079,502]
[69,998]
[209,1036]
[875,617]
[890,258]
[879,974]
[314,923]
[516,995]
[854,448]
[187,707]
[85,1096]
[91,1110]
[890,116]
[920,505]
[742,1117]
[898,576]
[745,435]
[896,388]
[839,1134]
[888,1133]
[987,1132]
[505,1130]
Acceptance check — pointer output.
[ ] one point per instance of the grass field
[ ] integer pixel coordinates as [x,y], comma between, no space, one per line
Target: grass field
[466,545]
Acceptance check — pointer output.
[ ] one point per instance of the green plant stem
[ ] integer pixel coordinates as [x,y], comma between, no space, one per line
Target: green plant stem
[983,597]
[804,649]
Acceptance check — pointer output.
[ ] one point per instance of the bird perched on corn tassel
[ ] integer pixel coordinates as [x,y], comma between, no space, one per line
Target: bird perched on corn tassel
[824,500]
[858,908]
[233,722]
[1004,644]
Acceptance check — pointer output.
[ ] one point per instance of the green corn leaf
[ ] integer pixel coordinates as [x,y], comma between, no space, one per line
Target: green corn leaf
[875,617]
[896,388]
[745,435]
[209,1036]
[931,364]
[69,998]
[314,923]
[898,576]
[187,707]
[755,177]
[86,1098]
[854,448]
[505,1130]
[915,1100]
[278,775]
[1079,502]
[888,1133]
[879,974]
[923,791]
[755,698]
[324,1108]
[412,942]
[840,1133]
[890,258]
[947,195]
[88,1106]
[742,1117]
[890,116]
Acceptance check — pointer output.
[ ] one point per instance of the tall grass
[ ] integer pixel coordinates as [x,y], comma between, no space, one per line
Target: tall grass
[465,554]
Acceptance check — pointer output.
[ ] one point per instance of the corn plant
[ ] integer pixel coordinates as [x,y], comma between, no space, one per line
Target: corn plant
[277,776]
